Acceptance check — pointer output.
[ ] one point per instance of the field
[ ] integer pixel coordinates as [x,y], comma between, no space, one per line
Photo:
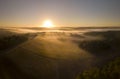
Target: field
[58,53]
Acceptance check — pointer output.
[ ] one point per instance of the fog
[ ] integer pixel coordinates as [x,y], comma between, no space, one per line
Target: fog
[57,53]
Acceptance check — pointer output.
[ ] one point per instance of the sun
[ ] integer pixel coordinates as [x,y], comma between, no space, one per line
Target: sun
[48,24]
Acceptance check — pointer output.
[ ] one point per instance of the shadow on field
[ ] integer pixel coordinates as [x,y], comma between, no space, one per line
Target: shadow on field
[10,70]
[12,41]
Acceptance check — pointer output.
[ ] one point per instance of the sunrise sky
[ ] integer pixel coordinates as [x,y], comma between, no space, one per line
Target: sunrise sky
[60,12]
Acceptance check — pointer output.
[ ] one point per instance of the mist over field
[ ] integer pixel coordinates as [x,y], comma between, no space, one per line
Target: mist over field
[55,53]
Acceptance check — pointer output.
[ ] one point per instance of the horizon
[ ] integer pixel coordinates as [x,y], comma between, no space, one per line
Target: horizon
[63,26]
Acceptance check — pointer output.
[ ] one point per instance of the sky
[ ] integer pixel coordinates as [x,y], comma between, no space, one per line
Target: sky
[61,12]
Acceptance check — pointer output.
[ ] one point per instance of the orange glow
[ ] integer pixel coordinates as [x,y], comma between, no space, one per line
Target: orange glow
[48,24]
